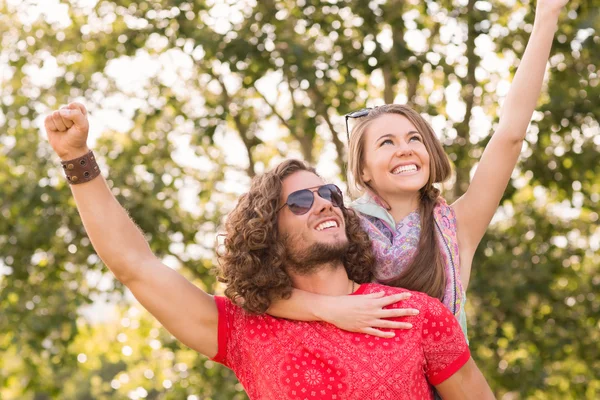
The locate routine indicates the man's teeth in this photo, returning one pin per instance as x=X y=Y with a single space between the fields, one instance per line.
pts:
x=326 y=224
x=404 y=168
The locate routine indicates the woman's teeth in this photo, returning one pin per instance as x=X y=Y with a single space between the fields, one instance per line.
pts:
x=404 y=168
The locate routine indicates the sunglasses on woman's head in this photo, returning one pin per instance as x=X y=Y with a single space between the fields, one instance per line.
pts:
x=356 y=114
x=301 y=201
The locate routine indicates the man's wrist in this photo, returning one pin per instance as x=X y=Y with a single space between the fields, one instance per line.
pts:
x=73 y=154
x=81 y=169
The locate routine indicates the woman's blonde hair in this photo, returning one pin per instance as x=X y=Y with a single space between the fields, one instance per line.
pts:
x=426 y=272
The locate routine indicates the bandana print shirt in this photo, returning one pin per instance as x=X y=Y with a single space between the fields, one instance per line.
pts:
x=280 y=359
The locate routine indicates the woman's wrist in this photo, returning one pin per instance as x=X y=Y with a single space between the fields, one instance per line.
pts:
x=545 y=26
x=546 y=17
x=325 y=309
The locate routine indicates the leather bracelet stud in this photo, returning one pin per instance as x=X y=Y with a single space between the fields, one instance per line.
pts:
x=82 y=169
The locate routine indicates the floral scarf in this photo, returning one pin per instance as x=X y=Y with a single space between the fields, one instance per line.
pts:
x=395 y=244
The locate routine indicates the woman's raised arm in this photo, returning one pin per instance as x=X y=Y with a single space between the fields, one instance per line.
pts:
x=475 y=209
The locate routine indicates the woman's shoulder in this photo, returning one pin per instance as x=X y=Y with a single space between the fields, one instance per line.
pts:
x=441 y=203
x=443 y=210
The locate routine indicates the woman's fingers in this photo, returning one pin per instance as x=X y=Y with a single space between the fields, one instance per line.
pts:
x=387 y=300
x=378 y=333
x=367 y=314
x=398 y=312
x=387 y=324
x=376 y=295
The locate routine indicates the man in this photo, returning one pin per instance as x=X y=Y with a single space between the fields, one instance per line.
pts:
x=290 y=230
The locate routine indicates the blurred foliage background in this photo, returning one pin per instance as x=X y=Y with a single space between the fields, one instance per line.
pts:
x=189 y=99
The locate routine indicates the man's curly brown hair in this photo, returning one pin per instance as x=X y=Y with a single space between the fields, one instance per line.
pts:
x=253 y=259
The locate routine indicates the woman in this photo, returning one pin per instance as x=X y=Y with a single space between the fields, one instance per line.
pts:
x=421 y=242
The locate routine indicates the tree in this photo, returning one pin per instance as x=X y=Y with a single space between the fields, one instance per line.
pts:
x=188 y=82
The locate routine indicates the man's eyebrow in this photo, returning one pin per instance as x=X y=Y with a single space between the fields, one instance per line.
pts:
x=312 y=187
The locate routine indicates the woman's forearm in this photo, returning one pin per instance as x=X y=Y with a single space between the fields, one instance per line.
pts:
x=301 y=306
x=365 y=313
x=527 y=83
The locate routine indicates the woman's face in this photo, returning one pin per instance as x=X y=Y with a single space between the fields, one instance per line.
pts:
x=396 y=161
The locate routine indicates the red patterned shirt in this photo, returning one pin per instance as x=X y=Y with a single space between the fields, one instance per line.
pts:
x=276 y=358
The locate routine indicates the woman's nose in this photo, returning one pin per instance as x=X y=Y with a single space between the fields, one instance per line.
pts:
x=403 y=150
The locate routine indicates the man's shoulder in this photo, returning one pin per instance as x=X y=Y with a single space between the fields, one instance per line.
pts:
x=235 y=312
x=388 y=290
x=415 y=297
x=229 y=310
x=224 y=303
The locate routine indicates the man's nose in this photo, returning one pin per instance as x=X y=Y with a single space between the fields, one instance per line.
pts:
x=321 y=204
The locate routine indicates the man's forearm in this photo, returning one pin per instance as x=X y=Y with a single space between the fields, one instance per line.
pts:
x=115 y=237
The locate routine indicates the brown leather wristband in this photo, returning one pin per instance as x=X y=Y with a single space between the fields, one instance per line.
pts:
x=82 y=169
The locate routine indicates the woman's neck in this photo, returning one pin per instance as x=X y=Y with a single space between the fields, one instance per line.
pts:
x=401 y=206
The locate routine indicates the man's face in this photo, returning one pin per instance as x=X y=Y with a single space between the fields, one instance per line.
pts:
x=314 y=238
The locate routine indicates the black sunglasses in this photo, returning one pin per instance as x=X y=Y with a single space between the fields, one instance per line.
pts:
x=356 y=114
x=301 y=201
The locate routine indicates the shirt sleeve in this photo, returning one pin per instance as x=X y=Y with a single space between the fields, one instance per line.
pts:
x=225 y=309
x=444 y=344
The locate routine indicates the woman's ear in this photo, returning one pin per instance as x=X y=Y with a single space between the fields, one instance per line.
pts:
x=366 y=176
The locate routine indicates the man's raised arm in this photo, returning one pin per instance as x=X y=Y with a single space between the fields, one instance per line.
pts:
x=184 y=309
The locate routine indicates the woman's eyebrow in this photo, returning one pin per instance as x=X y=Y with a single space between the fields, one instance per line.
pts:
x=391 y=135
x=387 y=135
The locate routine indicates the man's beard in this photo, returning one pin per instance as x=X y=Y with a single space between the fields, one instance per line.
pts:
x=312 y=258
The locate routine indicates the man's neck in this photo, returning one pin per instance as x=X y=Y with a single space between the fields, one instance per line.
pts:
x=328 y=280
